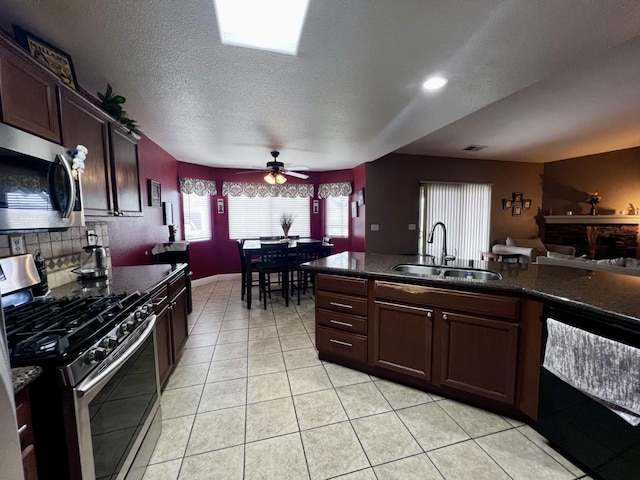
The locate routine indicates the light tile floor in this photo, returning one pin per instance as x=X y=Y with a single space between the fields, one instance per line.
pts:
x=250 y=399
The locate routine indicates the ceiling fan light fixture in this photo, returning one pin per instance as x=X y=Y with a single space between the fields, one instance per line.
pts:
x=280 y=179
x=270 y=178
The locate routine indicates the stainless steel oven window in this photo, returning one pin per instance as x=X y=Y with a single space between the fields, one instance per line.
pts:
x=114 y=409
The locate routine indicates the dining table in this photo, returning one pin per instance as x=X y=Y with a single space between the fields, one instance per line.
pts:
x=251 y=248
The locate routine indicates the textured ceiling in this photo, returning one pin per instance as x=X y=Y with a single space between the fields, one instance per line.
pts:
x=534 y=80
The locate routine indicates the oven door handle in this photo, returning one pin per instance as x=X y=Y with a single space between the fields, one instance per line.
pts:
x=85 y=387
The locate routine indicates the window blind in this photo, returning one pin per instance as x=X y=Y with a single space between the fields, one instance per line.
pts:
x=253 y=217
x=465 y=209
x=197 y=217
x=337 y=217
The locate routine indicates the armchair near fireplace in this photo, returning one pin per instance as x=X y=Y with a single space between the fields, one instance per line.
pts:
x=530 y=248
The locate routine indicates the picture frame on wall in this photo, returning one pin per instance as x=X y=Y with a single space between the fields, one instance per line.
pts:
x=167 y=213
x=526 y=204
x=220 y=203
x=52 y=58
x=155 y=193
x=354 y=209
x=360 y=197
x=517 y=211
x=316 y=206
x=517 y=197
x=506 y=204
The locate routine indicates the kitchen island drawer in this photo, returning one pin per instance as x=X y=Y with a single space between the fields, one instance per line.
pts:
x=341 y=344
x=342 y=321
x=356 y=286
x=341 y=303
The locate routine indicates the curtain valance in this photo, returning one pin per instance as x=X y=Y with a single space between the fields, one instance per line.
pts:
x=340 y=189
x=237 y=189
x=197 y=186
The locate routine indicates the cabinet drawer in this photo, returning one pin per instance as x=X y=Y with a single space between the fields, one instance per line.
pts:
x=357 y=286
x=175 y=286
x=160 y=300
x=341 y=321
x=341 y=344
x=341 y=303
x=495 y=305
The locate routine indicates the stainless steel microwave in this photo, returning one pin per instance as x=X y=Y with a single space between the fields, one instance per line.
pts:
x=38 y=189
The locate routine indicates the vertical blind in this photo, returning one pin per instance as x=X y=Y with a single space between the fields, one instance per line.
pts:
x=337 y=217
x=253 y=217
x=465 y=209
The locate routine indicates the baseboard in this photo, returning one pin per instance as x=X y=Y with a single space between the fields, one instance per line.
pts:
x=216 y=278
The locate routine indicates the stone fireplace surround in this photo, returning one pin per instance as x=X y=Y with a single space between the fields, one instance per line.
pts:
x=615 y=235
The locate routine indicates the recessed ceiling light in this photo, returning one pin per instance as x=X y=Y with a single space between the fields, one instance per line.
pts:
x=434 y=83
x=275 y=25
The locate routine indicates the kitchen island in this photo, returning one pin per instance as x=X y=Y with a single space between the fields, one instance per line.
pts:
x=481 y=341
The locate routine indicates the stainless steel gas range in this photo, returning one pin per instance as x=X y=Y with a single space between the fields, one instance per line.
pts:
x=96 y=406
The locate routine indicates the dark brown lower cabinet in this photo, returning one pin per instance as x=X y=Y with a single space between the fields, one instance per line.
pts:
x=477 y=355
x=163 y=337
x=402 y=339
x=25 y=431
x=179 y=323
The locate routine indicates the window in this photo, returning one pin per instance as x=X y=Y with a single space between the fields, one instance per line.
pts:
x=253 y=217
x=197 y=217
x=465 y=209
x=336 y=223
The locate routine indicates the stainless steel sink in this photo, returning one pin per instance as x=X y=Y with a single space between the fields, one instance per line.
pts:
x=471 y=274
x=418 y=269
x=454 y=272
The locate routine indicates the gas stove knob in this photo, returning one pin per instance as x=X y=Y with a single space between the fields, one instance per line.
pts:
x=127 y=327
x=97 y=355
x=138 y=316
x=110 y=342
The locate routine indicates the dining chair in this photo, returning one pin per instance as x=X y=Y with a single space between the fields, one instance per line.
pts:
x=266 y=239
x=273 y=259
x=305 y=252
x=254 y=263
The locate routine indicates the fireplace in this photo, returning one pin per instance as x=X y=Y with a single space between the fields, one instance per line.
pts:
x=605 y=236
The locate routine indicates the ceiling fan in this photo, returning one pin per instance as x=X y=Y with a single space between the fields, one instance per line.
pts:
x=277 y=171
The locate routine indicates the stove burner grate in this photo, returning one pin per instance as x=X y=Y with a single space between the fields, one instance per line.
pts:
x=51 y=328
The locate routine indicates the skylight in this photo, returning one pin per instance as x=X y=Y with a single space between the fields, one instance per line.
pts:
x=275 y=25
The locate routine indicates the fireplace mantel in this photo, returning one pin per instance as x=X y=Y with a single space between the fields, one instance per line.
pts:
x=594 y=219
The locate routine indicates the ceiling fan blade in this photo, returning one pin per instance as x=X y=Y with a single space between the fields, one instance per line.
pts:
x=297 y=167
x=252 y=171
x=296 y=174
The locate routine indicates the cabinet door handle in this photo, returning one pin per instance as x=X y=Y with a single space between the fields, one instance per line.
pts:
x=429 y=314
x=345 y=344
x=159 y=301
x=22 y=429
x=344 y=324
x=445 y=316
x=343 y=305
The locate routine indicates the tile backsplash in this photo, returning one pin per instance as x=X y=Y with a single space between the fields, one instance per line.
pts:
x=62 y=250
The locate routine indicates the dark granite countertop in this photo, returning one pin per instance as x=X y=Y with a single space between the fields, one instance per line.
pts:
x=608 y=293
x=143 y=278
x=23 y=376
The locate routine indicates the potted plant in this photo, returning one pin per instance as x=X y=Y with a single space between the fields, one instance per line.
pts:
x=593 y=199
x=112 y=104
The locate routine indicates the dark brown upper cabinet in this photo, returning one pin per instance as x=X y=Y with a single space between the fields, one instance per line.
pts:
x=28 y=96
x=124 y=173
x=84 y=124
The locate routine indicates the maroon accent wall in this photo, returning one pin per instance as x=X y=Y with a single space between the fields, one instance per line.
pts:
x=220 y=254
x=358 y=224
x=131 y=239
